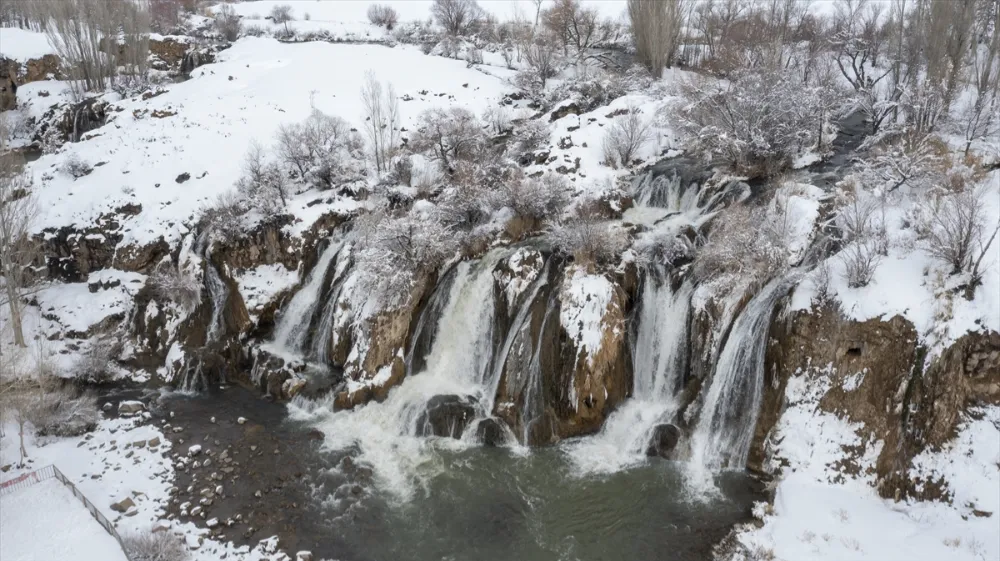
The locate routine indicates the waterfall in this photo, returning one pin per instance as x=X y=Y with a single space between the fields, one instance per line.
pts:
x=459 y=364
x=729 y=414
x=292 y=330
x=423 y=337
x=318 y=345
x=659 y=361
x=533 y=406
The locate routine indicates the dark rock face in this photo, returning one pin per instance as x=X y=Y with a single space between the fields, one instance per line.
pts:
x=446 y=415
x=663 y=441
x=490 y=432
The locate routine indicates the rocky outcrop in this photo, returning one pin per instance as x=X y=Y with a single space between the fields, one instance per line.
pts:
x=447 y=415
x=663 y=441
x=71 y=253
x=14 y=74
x=167 y=54
x=68 y=122
x=877 y=378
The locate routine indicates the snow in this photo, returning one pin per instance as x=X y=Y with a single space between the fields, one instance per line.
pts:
x=821 y=514
x=76 y=309
x=259 y=286
x=585 y=301
x=30 y=516
x=23 y=45
x=910 y=283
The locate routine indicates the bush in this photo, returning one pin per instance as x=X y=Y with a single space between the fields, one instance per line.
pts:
x=592 y=90
x=263 y=185
x=588 y=239
x=150 y=546
x=167 y=284
x=624 y=138
x=227 y=23
x=383 y=16
x=97 y=365
x=536 y=198
x=861 y=259
x=75 y=167
x=953 y=229
x=744 y=242
x=254 y=31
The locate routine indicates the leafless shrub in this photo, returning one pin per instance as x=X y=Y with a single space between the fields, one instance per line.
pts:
x=254 y=31
x=164 y=14
x=861 y=259
x=536 y=198
x=473 y=56
x=154 y=546
x=953 y=226
x=75 y=166
x=225 y=216
x=97 y=365
x=227 y=23
x=530 y=136
x=38 y=398
x=589 y=239
x=167 y=284
x=383 y=16
x=498 y=119
x=263 y=184
x=744 y=242
x=457 y=17
x=624 y=138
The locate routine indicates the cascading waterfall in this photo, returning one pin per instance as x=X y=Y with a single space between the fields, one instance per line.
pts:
x=318 y=346
x=533 y=400
x=218 y=292
x=423 y=334
x=292 y=330
x=729 y=414
x=659 y=360
x=459 y=364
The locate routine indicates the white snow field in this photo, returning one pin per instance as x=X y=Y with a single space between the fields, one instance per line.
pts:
x=22 y=45
x=45 y=522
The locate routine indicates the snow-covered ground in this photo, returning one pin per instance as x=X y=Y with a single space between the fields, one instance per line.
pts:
x=823 y=514
x=22 y=45
x=45 y=521
x=258 y=85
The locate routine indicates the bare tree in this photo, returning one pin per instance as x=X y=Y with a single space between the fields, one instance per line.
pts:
x=448 y=136
x=656 y=26
x=383 y=16
x=541 y=56
x=282 y=14
x=18 y=249
x=381 y=120
x=164 y=14
x=263 y=184
x=457 y=17
x=227 y=23
x=93 y=38
x=625 y=137
x=573 y=25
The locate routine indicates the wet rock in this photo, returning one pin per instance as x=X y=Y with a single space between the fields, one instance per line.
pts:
x=490 y=432
x=130 y=407
x=446 y=415
x=663 y=441
x=304 y=556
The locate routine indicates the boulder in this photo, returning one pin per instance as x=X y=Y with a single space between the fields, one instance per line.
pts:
x=490 y=432
x=130 y=407
x=446 y=415
x=124 y=505
x=663 y=441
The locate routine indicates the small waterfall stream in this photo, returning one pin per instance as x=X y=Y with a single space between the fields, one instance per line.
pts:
x=729 y=414
x=292 y=331
x=659 y=364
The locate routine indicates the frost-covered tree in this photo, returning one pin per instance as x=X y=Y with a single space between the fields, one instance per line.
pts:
x=448 y=136
x=757 y=121
x=955 y=230
x=383 y=16
x=588 y=238
x=625 y=137
x=744 y=243
x=574 y=26
x=282 y=14
x=323 y=150
x=227 y=23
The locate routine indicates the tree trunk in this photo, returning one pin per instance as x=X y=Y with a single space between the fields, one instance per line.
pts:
x=15 y=315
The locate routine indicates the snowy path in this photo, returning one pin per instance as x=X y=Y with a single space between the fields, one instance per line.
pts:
x=46 y=522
